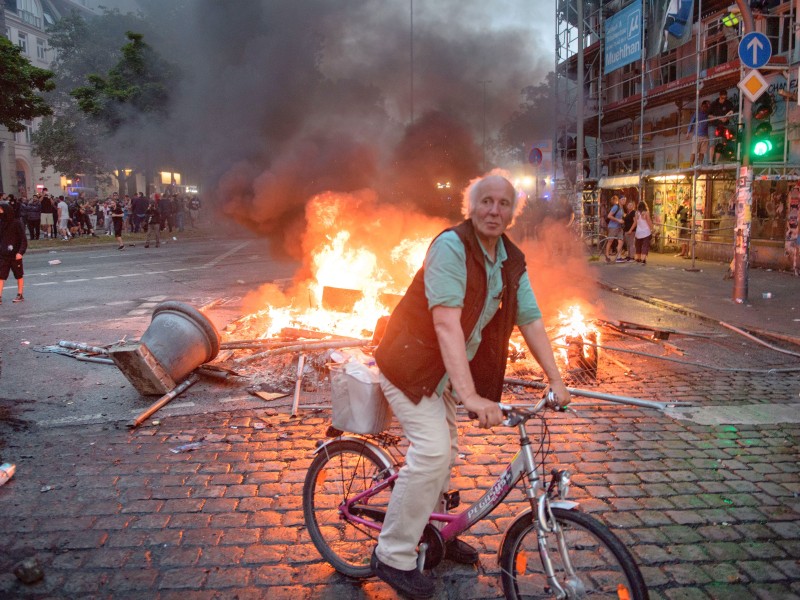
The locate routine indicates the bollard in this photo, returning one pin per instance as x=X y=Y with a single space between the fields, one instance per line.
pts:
x=178 y=340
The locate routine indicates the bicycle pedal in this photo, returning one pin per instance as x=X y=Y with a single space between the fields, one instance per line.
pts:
x=451 y=499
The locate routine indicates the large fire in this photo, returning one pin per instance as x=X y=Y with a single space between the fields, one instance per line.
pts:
x=361 y=255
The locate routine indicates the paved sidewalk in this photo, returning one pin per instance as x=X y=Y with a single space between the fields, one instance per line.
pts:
x=706 y=293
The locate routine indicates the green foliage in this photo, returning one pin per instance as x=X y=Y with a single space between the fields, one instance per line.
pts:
x=67 y=143
x=136 y=86
x=19 y=83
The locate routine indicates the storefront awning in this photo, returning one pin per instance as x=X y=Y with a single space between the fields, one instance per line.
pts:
x=618 y=181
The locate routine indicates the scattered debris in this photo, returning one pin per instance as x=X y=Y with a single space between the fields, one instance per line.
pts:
x=54 y=262
x=7 y=471
x=29 y=571
x=186 y=447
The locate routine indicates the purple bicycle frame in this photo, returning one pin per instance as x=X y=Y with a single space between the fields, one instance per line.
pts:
x=458 y=522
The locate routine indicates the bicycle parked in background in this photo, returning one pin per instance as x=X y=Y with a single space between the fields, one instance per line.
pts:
x=551 y=550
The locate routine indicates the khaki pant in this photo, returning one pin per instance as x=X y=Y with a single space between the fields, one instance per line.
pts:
x=430 y=426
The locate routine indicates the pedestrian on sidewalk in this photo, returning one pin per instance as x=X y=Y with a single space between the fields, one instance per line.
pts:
x=615 y=222
x=13 y=244
x=644 y=232
x=629 y=229
x=682 y=216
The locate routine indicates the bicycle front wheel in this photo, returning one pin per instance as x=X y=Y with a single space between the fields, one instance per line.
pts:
x=340 y=471
x=603 y=566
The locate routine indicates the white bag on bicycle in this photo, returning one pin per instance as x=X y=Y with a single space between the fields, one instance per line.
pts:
x=359 y=405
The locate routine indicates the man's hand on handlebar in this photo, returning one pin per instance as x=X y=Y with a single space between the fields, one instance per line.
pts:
x=487 y=413
x=562 y=395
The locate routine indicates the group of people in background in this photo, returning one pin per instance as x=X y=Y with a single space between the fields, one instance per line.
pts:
x=50 y=217
x=630 y=229
x=719 y=138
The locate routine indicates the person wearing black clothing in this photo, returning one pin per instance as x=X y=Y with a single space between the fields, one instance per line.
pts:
x=628 y=229
x=682 y=216
x=13 y=245
x=117 y=216
x=167 y=216
x=138 y=210
x=32 y=211
x=46 y=216
x=719 y=114
x=153 y=220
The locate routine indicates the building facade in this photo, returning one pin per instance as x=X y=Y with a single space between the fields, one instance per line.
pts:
x=25 y=24
x=632 y=75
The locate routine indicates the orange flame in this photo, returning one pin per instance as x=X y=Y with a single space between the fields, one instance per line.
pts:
x=574 y=323
x=353 y=244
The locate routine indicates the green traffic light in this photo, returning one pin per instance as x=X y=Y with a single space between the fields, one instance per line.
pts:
x=761 y=147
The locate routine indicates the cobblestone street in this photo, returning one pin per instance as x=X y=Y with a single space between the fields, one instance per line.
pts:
x=708 y=510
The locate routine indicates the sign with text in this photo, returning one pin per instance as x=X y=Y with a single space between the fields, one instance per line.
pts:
x=623 y=37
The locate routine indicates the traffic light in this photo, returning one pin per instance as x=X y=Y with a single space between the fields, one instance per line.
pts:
x=764 y=146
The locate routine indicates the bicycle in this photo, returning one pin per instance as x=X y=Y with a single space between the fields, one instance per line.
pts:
x=551 y=550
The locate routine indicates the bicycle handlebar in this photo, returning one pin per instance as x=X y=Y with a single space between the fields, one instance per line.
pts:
x=517 y=413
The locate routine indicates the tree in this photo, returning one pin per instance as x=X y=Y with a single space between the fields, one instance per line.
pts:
x=532 y=121
x=70 y=141
x=19 y=83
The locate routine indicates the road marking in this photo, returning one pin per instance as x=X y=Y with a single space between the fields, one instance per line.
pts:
x=74 y=280
x=131 y=274
x=234 y=399
x=79 y=308
x=138 y=311
x=70 y=420
x=222 y=257
x=172 y=405
x=176 y=270
x=107 y=277
x=118 y=302
x=46 y=283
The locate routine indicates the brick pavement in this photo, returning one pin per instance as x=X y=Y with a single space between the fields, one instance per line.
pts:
x=709 y=512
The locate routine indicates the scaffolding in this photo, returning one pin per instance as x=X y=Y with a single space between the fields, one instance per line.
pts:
x=631 y=126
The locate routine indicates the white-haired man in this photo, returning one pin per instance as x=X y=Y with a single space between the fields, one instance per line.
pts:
x=450 y=334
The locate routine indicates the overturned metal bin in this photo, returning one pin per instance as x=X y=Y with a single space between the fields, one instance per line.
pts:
x=178 y=340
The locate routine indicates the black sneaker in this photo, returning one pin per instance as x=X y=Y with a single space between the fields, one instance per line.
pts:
x=461 y=552
x=19 y=298
x=411 y=583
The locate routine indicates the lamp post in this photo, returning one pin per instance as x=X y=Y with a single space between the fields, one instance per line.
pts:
x=483 y=83
x=744 y=188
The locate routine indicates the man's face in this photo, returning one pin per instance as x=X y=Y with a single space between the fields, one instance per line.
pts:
x=495 y=208
x=723 y=97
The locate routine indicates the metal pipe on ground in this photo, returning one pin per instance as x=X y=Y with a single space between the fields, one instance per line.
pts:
x=600 y=396
x=164 y=400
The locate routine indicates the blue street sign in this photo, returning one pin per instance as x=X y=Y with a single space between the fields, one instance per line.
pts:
x=535 y=157
x=623 y=37
x=755 y=50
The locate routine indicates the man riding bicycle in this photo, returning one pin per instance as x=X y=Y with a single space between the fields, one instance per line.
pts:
x=447 y=342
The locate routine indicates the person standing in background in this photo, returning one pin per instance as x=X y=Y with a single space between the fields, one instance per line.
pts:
x=13 y=245
x=643 y=225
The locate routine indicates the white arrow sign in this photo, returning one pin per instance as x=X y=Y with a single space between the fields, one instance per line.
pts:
x=756 y=45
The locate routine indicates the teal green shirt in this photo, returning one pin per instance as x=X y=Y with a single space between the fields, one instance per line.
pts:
x=446 y=284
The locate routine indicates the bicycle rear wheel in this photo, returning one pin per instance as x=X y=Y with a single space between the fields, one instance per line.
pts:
x=604 y=567
x=340 y=471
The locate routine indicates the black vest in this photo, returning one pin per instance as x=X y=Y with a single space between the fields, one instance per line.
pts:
x=409 y=355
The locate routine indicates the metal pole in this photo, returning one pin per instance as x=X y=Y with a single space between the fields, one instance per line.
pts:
x=483 y=83
x=744 y=189
x=698 y=45
x=599 y=395
x=411 y=50
x=578 y=208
